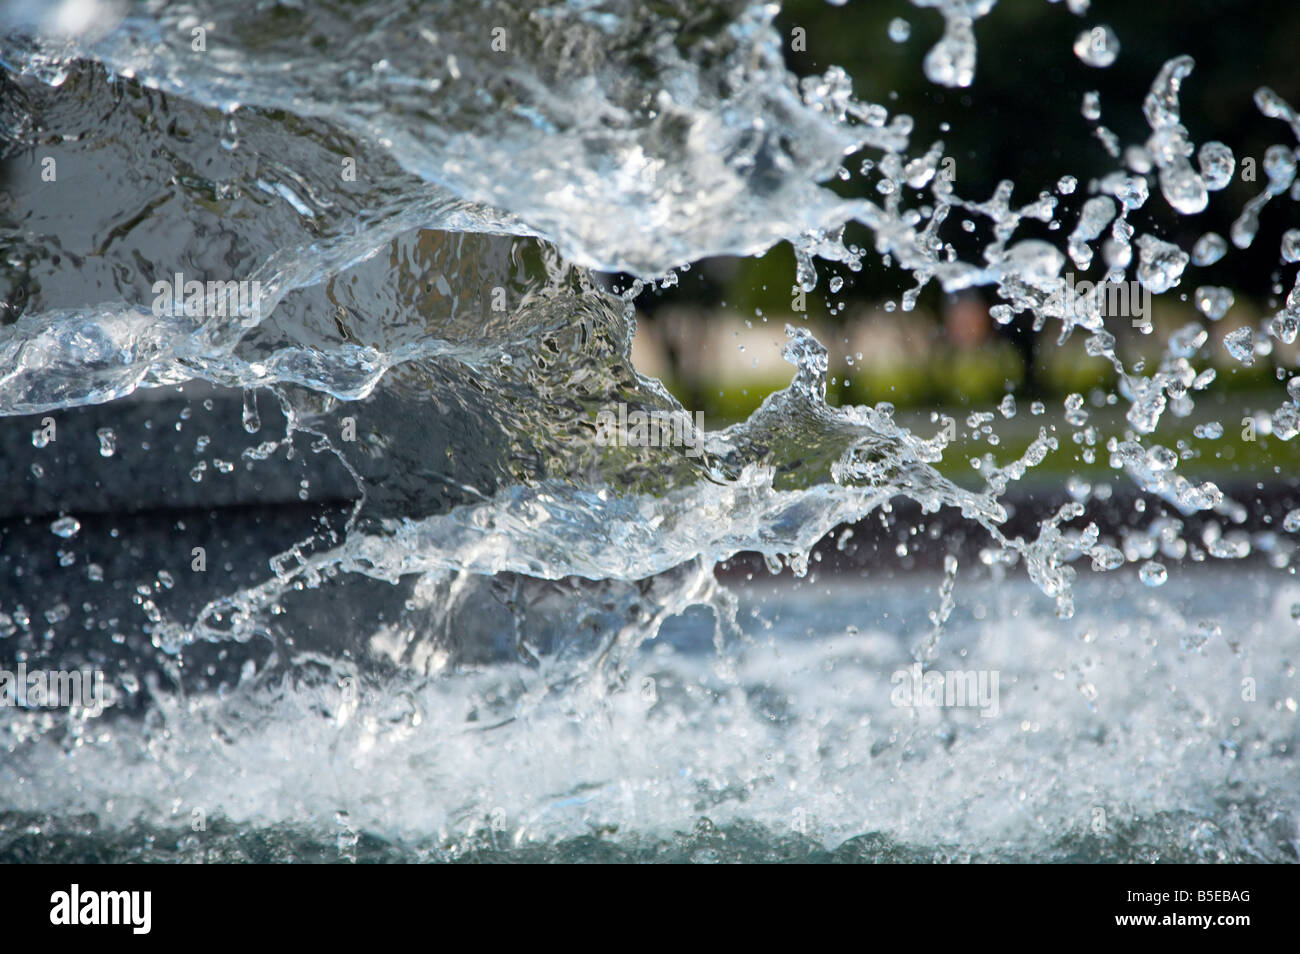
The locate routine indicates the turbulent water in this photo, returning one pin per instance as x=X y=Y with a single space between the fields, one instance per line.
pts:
x=403 y=600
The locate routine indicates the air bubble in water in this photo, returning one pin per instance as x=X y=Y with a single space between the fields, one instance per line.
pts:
x=899 y=30
x=1097 y=47
x=1092 y=105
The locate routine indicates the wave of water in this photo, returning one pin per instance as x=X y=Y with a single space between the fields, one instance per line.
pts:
x=459 y=636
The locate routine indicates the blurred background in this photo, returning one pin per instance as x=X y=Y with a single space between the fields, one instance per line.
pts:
x=715 y=337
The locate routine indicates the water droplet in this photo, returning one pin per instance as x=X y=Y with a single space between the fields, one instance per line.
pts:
x=1285 y=328
x=1209 y=248
x=1182 y=188
x=951 y=61
x=1213 y=301
x=1241 y=345
x=107 y=442
x=1188 y=340
x=1160 y=265
x=1279 y=166
x=1153 y=574
x=1074 y=412
x=1106 y=558
x=1097 y=47
x=230 y=135
x=1291 y=245
x=252 y=420
x=1286 y=422
x=899 y=30
x=1217 y=165
x=66 y=527
x=1132 y=191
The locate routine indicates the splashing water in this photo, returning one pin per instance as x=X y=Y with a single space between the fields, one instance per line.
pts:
x=365 y=245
